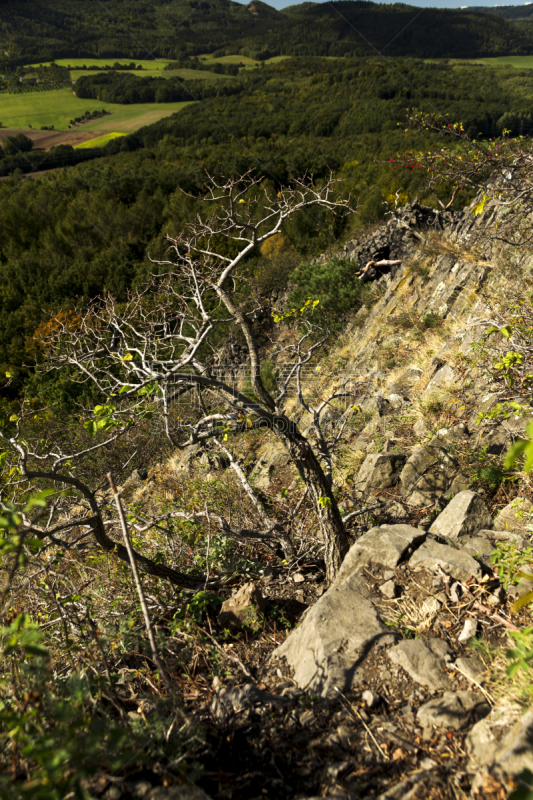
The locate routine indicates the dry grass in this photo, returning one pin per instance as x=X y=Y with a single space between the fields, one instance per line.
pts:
x=437 y=245
x=408 y=614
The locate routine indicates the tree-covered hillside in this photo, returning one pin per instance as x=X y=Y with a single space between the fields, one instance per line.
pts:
x=32 y=30
x=69 y=235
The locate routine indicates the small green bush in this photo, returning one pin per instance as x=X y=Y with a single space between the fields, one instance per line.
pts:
x=335 y=284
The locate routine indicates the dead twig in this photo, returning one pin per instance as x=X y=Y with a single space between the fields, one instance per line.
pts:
x=358 y=716
x=139 y=588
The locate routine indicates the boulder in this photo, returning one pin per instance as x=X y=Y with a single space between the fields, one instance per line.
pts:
x=386 y=544
x=452 y=710
x=457 y=563
x=378 y=471
x=271 y=458
x=457 y=433
x=477 y=546
x=240 y=698
x=441 y=380
x=502 y=745
x=427 y=475
x=424 y=660
x=330 y=646
x=420 y=428
x=396 y=401
x=465 y=515
x=471 y=668
x=402 y=385
x=516 y=517
x=244 y=609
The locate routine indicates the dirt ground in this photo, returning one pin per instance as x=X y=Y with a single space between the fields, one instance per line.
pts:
x=44 y=140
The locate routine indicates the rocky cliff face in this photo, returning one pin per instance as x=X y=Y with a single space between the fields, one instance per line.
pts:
x=393 y=684
x=420 y=591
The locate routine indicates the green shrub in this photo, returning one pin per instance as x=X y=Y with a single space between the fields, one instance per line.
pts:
x=335 y=284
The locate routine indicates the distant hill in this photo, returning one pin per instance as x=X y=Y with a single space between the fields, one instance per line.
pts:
x=34 y=30
x=513 y=13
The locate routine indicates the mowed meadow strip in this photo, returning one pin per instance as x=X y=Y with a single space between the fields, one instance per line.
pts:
x=59 y=106
x=100 y=141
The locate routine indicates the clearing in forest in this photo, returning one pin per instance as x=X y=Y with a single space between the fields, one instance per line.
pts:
x=57 y=108
x=100 y=141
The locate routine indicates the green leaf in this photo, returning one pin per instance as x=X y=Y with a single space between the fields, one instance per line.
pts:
x=39 y=499
x=514 y=453
x=90 y=427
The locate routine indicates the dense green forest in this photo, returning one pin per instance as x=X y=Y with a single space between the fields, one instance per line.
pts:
x=68 y=235
x=112 y=87
x=32 y=30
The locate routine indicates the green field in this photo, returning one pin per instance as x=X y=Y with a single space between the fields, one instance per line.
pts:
x=78 y=63
x=520 y=62
x=249 y=63
x=100 y=141
x=59 y=106
x=185 y=74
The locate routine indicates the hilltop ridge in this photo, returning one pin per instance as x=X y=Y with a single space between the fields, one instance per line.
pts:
x=127 y=28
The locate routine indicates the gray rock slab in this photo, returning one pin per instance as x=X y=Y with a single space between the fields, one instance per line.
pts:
x=457 y=563
x=243 y=609
x=402 y=384
x=465 y=514
x=329 y=647
x=456 y=433
x=459 y=484
x=427 y=474
x=386 y=544
x=471 y=668
x=424 y=660
x=503 y=750
x=516 y=517
x=506 y=536
x=420 y=428
x=452 y=710
x=378 y=471
x=477 y=546
x=442 y=379
x=388 y=589
x=240 y=698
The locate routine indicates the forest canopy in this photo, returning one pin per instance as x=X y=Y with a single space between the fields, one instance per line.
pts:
x=41 y=29
x=73 y=233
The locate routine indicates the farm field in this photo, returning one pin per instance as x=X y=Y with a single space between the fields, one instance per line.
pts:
x=185 y=74
x=59 y=106
x=520 y=62
x=79 y=63
x=44 y=140
x=153 y=69
x=249 y=63
x=100 y=141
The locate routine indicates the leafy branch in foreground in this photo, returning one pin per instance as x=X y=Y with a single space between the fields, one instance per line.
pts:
x=498 y=170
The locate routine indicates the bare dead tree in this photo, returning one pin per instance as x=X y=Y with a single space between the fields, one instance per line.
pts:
x=151 y=353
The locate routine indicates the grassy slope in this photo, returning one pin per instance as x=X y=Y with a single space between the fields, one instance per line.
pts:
x=78 y=63
x=59 y=106
x=520 y=62
x=99 y=141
